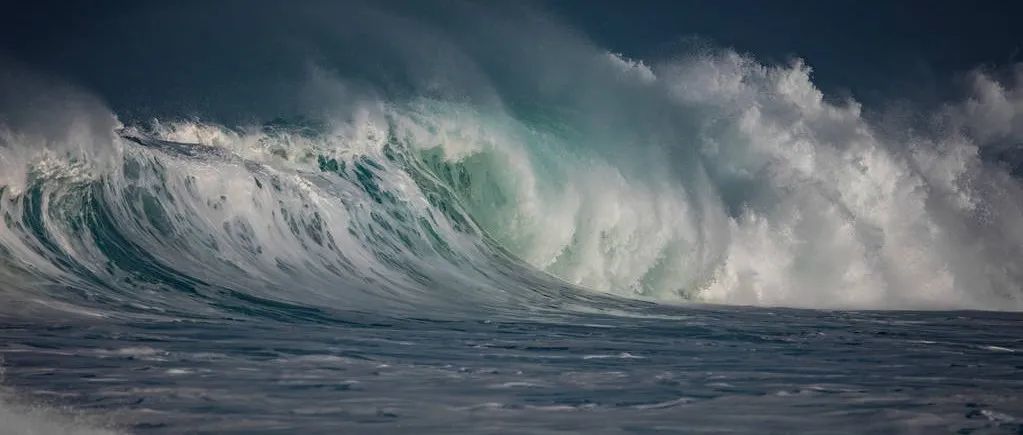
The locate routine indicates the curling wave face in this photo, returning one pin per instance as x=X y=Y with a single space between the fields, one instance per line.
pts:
x=712 y=178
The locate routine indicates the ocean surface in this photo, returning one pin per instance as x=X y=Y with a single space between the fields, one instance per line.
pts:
x=647 y=369
x=477 y=220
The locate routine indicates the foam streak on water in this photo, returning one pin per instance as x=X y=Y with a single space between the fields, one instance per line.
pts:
x=705 y=369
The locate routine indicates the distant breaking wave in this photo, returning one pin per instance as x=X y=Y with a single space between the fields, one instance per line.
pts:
x=709 y=178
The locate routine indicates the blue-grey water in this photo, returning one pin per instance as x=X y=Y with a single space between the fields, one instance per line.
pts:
x=656 y=370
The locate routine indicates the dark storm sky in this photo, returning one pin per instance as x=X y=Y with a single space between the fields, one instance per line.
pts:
x=873 y=48
x=135 y=53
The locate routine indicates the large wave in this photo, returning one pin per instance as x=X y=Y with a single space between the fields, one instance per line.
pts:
x=707 y=177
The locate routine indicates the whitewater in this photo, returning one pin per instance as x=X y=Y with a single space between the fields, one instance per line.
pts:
x=701 y=243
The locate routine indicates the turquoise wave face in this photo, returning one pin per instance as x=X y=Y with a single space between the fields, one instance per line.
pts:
x=707 y=178
x=433 y=203
x=193 y=220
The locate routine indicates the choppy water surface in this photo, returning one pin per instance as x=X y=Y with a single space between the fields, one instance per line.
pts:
x=695 y=370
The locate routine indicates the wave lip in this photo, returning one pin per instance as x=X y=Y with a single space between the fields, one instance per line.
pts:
x=707 y=178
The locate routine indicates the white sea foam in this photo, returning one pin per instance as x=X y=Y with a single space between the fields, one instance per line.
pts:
x=37 y=420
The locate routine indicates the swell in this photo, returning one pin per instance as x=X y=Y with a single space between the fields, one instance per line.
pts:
x=192 y=229
x=712 y=179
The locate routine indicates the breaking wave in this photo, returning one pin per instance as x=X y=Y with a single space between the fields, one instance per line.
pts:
x=589 y=178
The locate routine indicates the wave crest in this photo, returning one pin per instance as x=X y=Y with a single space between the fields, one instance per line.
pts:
x=709 y=178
